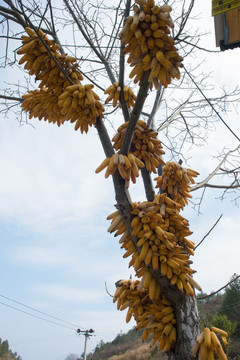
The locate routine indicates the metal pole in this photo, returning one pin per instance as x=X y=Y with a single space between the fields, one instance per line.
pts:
x=86 y=333
x=85 y=346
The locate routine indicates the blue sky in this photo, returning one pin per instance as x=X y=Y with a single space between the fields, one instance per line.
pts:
x=56 y=254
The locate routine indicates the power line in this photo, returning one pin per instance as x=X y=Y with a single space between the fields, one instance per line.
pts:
x=38 y=317
x=41 y=312
x=50 y=338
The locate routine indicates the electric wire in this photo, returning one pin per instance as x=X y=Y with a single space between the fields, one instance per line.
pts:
x=38 y=317
x=51 y=338
x=41 y=312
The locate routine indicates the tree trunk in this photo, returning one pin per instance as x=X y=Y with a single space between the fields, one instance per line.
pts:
x=185 y=306
x=188 y=326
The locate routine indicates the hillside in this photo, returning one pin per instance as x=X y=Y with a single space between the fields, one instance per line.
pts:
x=129 y=346
x=6 y=353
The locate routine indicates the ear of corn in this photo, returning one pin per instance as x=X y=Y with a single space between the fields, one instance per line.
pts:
x=175 y=181
x=149 y=45
x=145 y=146
x=155 y=317
x=57 y=100
x=209 y=344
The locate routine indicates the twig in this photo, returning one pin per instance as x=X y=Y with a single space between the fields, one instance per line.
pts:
x=14 y=12
x=209 y=231
x=199 y=47
x=204 y=182
x=222 y=186
x=176 y=112
x=123 y=103
x=89 y=41
x=157 y=101
x=215 y=292
x=115 y=29
x=107 y=290
x=208 y=101
x=184 y=19
x=92 y=81
x=27 y=19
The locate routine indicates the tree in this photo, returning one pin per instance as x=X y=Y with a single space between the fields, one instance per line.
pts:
x=231 y=302
x=4 y=347
x=153 y=232
x=6 y=353
x=222 y=322
x=72 y=357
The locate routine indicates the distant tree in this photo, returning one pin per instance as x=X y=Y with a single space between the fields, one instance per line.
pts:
x=222 y=322
x=209 y=307
x=4 y=347
x=72 y=357
x=6 y=353
x=231 y=302
x=101 y=345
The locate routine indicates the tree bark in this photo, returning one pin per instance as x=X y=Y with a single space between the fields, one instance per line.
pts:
x=188 y=327
x=185 y=306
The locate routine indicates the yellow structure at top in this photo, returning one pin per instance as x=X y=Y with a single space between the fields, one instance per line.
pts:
x=222 y=6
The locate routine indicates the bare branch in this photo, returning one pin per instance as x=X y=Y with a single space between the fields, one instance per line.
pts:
x=148 y=185
x=141 y=97
x=177 y=112
x=16 y=14
x=214 y=172
x=121 y=71
x=156 y=105
x=184 y=18
x=89 y=41
x=11 y=98
x=104 y=138
x=217 y=113
x=215 y=292
x=107 y=290
x=231 y=186
x=209 y=231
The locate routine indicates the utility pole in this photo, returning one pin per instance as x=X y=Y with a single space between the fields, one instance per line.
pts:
x=86 y=333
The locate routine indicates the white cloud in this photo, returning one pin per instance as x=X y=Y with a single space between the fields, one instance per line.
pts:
x=67 y=294
x=37 y=256
x=217 y=258
x=50 y=175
